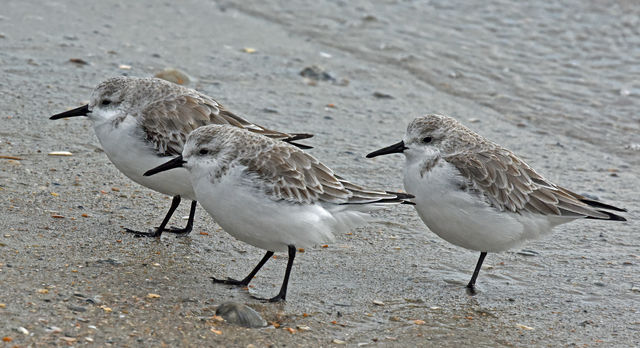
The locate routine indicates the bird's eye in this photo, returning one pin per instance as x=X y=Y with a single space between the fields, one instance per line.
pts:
x=204 y=151
x=426 y=140
x=106 y=102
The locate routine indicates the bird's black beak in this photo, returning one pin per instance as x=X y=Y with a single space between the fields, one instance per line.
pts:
x=81 y=111
x=174 y=163
x=395 y=148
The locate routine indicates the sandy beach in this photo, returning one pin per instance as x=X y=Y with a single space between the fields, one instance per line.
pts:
x=554 y=82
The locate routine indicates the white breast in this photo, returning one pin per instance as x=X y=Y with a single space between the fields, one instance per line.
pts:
x=464 y=219
x=126 y=147
x=250 y=216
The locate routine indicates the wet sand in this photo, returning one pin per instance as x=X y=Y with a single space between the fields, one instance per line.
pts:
x=553 y=82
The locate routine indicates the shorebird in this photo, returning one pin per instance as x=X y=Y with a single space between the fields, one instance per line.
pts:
x=477 y=194
x=141 y=121
x=271 y=194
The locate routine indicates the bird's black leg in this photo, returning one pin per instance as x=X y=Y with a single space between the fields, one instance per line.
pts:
x=471 y=287
x=283 y=289
x=184 y=231
x=175 y=202
x=247 y=279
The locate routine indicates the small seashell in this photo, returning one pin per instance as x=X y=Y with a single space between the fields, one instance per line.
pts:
x=524 y=327
x=60 y=153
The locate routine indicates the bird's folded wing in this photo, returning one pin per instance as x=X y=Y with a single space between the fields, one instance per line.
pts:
x=167 y=122
x=295 y=176
x=510 y=184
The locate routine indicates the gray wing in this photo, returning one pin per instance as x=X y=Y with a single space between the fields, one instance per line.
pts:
x=291 y=174
x=510 y=184
x=167 y=122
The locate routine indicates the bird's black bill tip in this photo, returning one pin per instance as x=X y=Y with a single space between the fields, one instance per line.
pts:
x=174 y=163
x=81 y=111
x=395 y=148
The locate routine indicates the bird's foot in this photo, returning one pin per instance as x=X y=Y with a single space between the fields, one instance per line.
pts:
x=179 y=232
x=277 y=298
x=230 y=281
x=138 y=234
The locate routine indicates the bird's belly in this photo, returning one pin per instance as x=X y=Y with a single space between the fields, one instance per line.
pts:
x=465 y=219
x=250 y=216
x=133 y=156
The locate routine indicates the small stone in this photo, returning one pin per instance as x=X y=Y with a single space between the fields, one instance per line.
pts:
x=316 y=73
x=526 y=252
x=378 y=303
x=95 y=300
x=381 y=95
x=77 y=308
x=240 y=314
x=109 y=261
x=174 y=75
x=23 y=330
x=78 y=61
x=53 y=329
x=337 y=341
x=303 y=327
x=124 y=67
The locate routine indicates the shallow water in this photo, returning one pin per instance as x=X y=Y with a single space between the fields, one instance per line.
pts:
x=555 y=81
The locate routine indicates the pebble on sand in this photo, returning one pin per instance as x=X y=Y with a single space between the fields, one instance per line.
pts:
x=316 y=73
x=240 y=314
x=174 y=75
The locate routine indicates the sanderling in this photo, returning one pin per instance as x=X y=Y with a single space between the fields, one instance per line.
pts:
x=271 y=194
x=141 y=121
x=478 y=195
